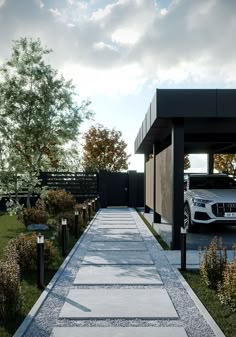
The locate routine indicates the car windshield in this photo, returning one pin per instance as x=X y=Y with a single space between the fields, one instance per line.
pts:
x=211 y=183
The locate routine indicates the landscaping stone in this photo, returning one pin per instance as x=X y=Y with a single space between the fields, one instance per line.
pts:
x=95 y=275
x=120 y=332
x=37 y=227
x=120 y=257
x=118 y=303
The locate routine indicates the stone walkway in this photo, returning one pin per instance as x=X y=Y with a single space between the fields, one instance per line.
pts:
x=117 y=282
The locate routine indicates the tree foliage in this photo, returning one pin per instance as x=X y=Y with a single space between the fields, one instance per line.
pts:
x=186 y=162
x=38 y=111
x=104 y=149
x=225 y=163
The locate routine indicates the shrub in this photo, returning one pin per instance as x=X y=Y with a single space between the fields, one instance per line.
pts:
x=213 y=263
x=25 y=247
x=33 y=215
x=227 y=289
x=58 y=201
x=10 y=290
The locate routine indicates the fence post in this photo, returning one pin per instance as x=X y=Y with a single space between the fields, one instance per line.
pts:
x=40 y=261
x=63 y=236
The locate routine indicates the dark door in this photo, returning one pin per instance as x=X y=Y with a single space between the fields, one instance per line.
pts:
x=113 y=188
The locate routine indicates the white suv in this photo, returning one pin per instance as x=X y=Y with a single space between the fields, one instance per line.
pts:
x=208 y=198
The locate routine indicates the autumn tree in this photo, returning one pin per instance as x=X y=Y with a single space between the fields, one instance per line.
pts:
x=186 y=162
x=38 y=111
x=104 y=149
x=225 y=163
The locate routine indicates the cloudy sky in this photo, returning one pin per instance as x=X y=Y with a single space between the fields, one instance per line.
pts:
x=117 y=52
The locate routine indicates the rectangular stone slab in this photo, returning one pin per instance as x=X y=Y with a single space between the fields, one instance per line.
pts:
x=118 y=303
x=119 y=332
x=119 y=257
x=93 y=275
x=101 y=226
x=114 y=231
x=117 y=246
x=117 y=237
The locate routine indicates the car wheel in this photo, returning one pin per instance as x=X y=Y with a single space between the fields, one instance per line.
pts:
x=188 y=224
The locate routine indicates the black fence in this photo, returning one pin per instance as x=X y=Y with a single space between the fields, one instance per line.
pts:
x=113 y=188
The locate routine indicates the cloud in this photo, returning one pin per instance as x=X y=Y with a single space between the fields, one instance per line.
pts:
x=178 y=43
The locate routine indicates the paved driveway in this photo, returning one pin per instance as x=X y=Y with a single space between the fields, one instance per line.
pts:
x=203 y=238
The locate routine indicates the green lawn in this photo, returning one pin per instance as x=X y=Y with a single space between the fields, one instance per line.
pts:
x=9 y=228
x=223 y=316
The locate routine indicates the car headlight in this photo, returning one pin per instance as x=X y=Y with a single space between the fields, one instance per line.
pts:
x=200 y=202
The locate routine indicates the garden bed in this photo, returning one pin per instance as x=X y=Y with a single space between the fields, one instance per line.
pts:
x=221 y=313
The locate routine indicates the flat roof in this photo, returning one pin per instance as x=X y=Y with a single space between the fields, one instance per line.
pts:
x=208 y=115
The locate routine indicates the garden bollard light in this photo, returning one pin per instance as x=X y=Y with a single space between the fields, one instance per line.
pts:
x=77 y=225
x=63 y=236
x=40 y=261
x=183 y=248
x=84 y=215
x=89 y=210
x=93 y=206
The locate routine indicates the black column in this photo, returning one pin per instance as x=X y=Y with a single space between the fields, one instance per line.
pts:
x=156 y=216
x=210 y=163
x=178 y=181
x=146 y=158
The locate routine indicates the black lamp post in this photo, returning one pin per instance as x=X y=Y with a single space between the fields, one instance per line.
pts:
x=63 y=236
x=77 y=225
x=183 y=248
x=40 y=261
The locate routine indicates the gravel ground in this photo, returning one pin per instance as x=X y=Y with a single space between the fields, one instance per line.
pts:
x=189 y=315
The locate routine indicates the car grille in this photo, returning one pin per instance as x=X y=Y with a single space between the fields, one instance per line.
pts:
x=219 y=209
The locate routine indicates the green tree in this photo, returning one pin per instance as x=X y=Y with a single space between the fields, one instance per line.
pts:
x=38 y=111
x=104 y=149
x=186 y=162
x=225 y=163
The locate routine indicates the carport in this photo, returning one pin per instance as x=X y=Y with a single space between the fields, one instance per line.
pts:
x=180 y=121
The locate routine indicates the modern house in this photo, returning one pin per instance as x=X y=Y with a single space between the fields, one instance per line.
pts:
x=180 y=121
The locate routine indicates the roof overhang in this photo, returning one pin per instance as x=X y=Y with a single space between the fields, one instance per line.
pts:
x=208 y=115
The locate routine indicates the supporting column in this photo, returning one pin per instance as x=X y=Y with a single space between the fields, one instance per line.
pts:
x=156 y=216
x=178 y=181
x=146 y=208
x=210 y=163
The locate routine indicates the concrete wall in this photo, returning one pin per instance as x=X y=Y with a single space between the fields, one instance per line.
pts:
x=164 y=183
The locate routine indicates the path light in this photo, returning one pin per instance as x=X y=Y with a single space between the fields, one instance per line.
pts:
x=89 y=211
x=183 y=248
x=84 y=214
x=63 y=236
x=77 y=225
x=40 y=261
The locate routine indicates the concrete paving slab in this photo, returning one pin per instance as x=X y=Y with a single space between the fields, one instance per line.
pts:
x=117 y=237
x=94 y=275
x=116 y=226
x=114 y=231
x=117 y=246
x=118 y=303
x=119 y=332
x=118 y=220
x=119 y=257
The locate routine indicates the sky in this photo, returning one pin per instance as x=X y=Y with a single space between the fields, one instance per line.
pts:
x=118 y=52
